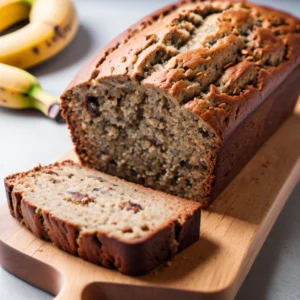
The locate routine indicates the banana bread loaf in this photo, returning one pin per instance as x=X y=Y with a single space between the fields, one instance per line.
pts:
x=102 y=219
x=183 y=99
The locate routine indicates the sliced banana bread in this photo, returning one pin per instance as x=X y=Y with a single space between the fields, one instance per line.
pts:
x=103 y=219
x=183 y=99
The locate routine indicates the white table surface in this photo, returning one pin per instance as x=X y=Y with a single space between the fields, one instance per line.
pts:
x=27 y=138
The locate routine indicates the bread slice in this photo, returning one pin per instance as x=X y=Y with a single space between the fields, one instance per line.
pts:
x=103 y=219
x=171 y=102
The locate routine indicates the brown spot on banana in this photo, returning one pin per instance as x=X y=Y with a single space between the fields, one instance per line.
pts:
x=3 y=100
x=36 y=50
x=58 y=32
x=67 y=28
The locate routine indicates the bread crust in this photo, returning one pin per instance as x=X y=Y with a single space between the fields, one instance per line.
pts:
x=250 y=135
x=88 y=70
x=133 y=258
x=227 y=119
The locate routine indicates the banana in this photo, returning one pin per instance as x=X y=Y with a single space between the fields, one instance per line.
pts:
x=19 y=89
x=10 y=13
x=52 y=25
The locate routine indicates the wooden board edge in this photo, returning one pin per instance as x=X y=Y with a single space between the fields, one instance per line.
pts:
x=14 y=265
x=29 y=269
x=265 y=228
x=19 y=263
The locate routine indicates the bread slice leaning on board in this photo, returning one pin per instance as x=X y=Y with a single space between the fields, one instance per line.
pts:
x=102 y=219
x=182 y=100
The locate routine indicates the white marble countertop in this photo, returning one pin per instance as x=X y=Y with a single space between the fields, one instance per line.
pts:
x=27 y=138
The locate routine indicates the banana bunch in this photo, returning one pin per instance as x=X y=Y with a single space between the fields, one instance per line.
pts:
x=52 y=26
x=19 y=89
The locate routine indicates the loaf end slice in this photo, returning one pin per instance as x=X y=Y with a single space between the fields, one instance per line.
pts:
x=102 y=219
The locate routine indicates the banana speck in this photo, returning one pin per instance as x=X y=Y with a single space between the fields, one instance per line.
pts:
x=67 y=28
x=36 y=50
x=58 y=32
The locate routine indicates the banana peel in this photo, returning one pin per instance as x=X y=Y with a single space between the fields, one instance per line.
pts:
x=20 y=90
x=52 y=26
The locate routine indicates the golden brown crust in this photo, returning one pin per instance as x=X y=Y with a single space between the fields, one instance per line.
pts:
x=275 y=34
x=215 y=59
x=8 y=190
x=255 y=130
x=89 y=70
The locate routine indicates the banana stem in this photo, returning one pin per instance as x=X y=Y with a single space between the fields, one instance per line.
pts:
x=44 y=100
x=30 y=2
x=46 y=103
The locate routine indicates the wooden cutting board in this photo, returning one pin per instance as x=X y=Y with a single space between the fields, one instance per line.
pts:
x=232 y=233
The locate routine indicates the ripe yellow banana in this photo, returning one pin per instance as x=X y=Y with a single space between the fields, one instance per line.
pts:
x=52 y=25
x=10 y=13
x=19 y=89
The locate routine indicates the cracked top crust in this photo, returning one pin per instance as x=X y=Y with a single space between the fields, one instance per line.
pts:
x=217 y=59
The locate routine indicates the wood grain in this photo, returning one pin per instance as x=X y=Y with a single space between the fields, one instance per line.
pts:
x=233 y=231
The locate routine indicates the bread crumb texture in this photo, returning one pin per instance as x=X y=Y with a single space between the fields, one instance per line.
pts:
x=101 y=218
x=162 y=100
